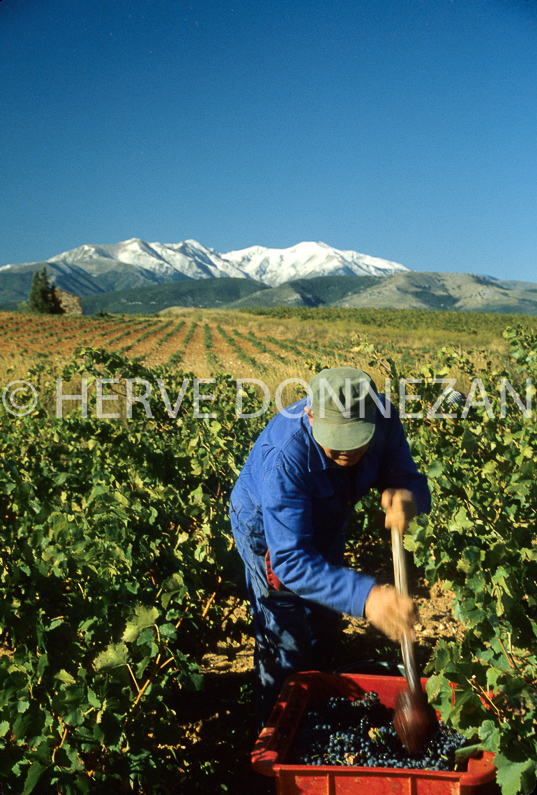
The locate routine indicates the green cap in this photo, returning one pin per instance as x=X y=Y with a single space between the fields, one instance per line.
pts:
x=343 y=408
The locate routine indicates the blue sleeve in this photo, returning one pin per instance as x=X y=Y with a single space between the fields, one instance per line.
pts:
x=397 y=469
x=295 y=561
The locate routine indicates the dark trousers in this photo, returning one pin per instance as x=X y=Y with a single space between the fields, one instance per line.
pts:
x=291 y=634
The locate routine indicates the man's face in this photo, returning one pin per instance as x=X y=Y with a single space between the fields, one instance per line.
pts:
x=345 y=458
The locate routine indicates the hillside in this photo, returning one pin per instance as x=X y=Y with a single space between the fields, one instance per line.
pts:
x=411 y=290
x=203 y=293
x=454 y=291
x=316 y=291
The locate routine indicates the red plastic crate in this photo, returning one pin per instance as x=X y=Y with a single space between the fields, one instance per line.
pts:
x=274 y=742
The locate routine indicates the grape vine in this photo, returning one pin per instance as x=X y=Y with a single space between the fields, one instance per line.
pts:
x=117 y=556
x=479 y=541
x=116 y=551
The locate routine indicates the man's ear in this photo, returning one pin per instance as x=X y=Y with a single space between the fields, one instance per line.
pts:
x=309 y=412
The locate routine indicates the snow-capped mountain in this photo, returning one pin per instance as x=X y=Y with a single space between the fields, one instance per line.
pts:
x=188 y=259
x=275 y=266
x=157 y=263
x=135 y=276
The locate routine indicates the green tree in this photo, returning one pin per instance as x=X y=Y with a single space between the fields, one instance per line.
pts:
x=41 y=300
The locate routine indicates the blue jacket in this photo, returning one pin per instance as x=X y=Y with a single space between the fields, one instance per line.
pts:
x=294 y=501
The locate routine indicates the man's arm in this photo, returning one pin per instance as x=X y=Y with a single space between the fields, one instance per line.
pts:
x=404 y=494
x=288 y=523
x=404 y=490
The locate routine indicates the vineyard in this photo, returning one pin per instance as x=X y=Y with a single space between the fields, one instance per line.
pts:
x=247 y=344
x=126 y=662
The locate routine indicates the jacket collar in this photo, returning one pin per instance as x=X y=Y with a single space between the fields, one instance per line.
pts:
x=317 y=460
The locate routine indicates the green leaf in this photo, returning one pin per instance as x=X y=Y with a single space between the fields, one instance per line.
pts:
x=64 y=676
x=469 y=442
x=173 y=586
x=32 y=779
x=196 y=681
x=45 y=749
x=143 y=618
x=109 y=730
x=93 y=699
x=168 y=630
x=115 y=655
x=97 y=491
x=60 y=525
x=119 y=497
x=489 y=733
x=493 y=675
x=467 y=752
x=196 y=467
x=466 y=710
x=440 y=694
x=514 y=777
x=435 y=469
x=142 y=665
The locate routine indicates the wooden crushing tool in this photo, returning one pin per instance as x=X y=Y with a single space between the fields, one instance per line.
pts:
x=415 y=720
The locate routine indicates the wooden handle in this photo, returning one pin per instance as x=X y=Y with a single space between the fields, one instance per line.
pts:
x=399 y=563
x=401 y=586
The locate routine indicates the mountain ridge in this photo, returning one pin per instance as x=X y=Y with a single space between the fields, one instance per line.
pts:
x=136 y=276
x=423 y=291
x=189 y=259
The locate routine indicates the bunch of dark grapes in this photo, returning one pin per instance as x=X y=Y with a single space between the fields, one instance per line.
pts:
x=360 y=733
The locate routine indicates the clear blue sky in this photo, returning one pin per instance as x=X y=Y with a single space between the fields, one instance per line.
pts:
x=404 y=129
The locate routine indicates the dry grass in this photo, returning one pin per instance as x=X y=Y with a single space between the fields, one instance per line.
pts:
x=29 y=340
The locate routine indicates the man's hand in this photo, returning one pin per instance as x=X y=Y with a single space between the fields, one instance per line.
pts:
x=400 y=507
x=390 y=612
